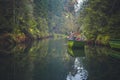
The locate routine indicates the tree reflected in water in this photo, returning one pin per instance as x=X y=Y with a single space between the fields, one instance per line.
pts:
x=50 y=59
x=78 y=71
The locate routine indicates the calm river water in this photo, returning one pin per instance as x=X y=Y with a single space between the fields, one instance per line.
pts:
x=51 y=60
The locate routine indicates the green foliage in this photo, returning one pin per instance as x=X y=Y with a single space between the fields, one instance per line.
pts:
x=21 y=17
x=41 y=8
x=98 y=18
x=36 y=18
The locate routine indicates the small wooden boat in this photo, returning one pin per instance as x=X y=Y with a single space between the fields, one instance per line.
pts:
x=75 y=44
x=114 y=44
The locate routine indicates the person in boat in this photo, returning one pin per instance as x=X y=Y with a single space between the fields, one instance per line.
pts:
x=71 y=36
x=76 y=36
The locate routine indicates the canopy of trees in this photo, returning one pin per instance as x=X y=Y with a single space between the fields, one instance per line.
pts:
x=34 y=18
x=99 y=20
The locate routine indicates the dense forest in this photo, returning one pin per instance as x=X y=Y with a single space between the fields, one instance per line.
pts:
x=32 y=19
x=23 y=20
x=99 y=20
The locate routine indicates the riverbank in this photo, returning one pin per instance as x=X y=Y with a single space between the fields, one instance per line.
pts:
x=11 y=39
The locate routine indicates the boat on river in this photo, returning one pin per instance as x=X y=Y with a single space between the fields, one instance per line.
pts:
x=75 y=44
x=114 y=44
x=75 y=40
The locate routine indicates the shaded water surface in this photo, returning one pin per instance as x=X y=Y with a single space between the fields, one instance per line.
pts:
x=52 y=60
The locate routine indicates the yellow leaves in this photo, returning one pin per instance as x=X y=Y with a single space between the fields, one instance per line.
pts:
x=30 y=29
x=19 y=37
x=88 y=9
x=67 y=15
x=103 y=38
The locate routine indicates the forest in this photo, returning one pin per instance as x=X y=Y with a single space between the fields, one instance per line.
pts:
x=23 y=20
x=59 y=39
x=100 y=20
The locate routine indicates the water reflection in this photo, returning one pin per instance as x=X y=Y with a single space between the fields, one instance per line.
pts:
x=52 y=60
x=42 y=60
x=78 y=71
x=102 y=64
x=97 y=63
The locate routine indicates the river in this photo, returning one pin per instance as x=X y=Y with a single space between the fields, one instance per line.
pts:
x=51 y=59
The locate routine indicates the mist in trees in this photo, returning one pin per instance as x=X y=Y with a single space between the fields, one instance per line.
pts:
x=98 y=20
x=34 y=18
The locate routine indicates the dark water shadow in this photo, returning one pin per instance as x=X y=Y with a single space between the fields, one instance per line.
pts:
x=102 y=63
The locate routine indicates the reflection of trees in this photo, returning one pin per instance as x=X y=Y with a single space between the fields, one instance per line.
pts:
x=76 y=52
x=19 y=64
x=15 y=67
x=33 y=60
x=54 y=64
x=78 y=71
x=57 y=47
x=100 y=65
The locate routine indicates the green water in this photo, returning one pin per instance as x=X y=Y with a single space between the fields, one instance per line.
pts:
x=51 y=60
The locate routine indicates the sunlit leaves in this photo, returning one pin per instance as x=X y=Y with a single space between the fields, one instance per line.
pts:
x=98 y=18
